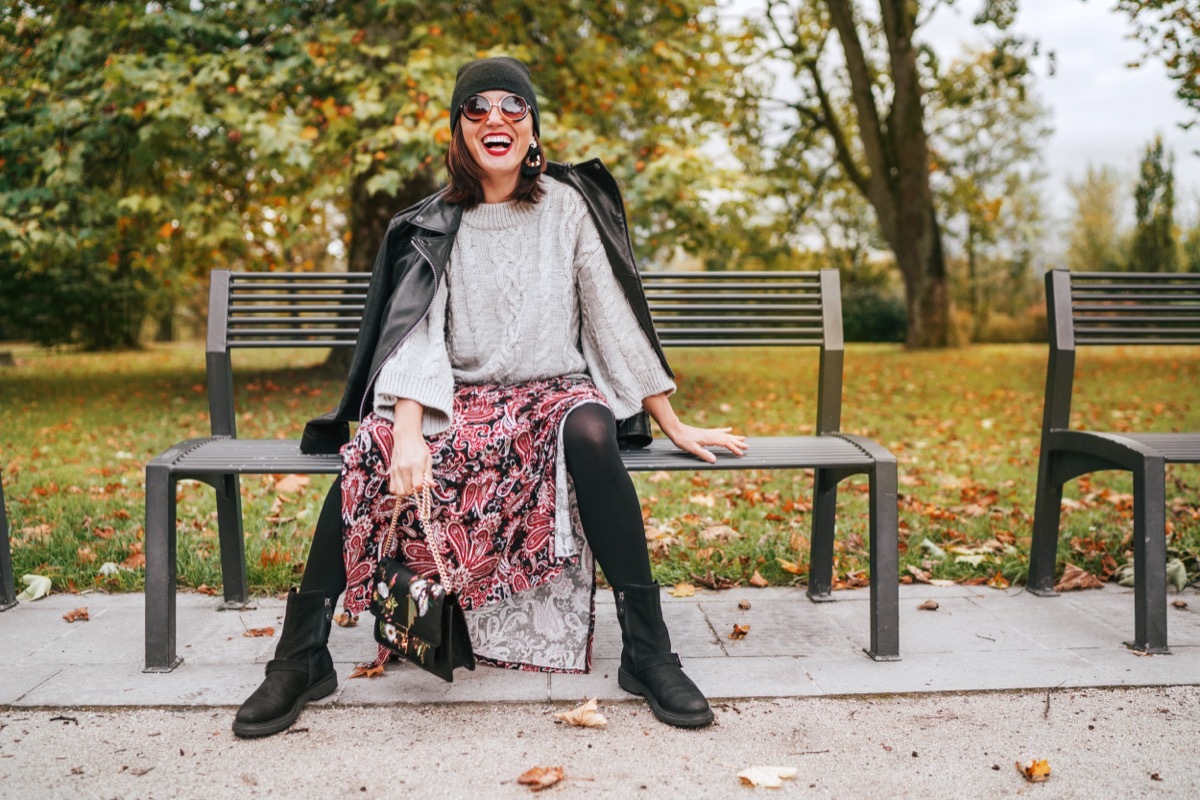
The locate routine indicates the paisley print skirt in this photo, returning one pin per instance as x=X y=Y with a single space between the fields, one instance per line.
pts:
x=499 y=475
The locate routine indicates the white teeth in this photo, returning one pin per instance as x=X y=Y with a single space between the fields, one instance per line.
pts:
x=497 y=140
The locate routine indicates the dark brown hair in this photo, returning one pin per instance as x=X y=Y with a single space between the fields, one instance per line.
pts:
x=465 y=187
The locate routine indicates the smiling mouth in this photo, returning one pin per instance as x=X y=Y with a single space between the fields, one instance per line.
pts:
x=497 y=144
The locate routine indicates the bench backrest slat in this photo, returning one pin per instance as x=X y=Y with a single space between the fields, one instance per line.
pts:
x=689 y=309
x=1112 y=308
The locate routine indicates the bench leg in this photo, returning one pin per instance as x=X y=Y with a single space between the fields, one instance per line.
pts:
x=8 y=583
x=885 y=563
x=160 y=570
x=233 y=543
x=1150 y=557
x=824 y=521
x=1047 y=511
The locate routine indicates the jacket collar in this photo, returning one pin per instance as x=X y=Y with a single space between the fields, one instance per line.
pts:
x=437 y=216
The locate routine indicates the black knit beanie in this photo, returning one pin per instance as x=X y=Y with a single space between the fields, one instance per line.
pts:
x=501 y=72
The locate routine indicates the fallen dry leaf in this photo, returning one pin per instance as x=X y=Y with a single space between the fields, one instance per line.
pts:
x=538 y=778
x=682 y=590
x=758 y=580
x=791 y=567
x=929 y=605
x=739 y=631
x=919 y=575
x=586 y=715
x=345 y=620
x=711 y=580
x=1035 y=771
x=719 y=533
x=290 y=484
x=706 y=500
x=367 y=671
x=204 y=588
x=1180 y=604
x=258 y=632
x=78 y=614
x=744 y=605
x=768 y=777
x=998 y=581
x=1074 y=578
x=941 y=582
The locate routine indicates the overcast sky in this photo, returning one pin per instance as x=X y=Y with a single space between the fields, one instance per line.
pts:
x=1102 y=111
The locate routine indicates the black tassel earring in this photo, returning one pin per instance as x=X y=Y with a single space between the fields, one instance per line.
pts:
x=531 y=167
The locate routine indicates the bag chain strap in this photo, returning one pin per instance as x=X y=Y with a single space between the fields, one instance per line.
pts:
x=432 y=539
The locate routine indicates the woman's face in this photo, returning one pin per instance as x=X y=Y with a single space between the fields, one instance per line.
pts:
x=497 y=145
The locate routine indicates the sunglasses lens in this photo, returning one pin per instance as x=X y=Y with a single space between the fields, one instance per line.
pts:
x=514 y=108
x=476 y=107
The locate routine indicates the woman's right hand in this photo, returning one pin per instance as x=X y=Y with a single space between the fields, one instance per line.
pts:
x=412 y=463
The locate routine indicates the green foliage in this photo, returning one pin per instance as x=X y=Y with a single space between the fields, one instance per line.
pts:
x=1170 y=31
x=142 y=144
x=1095 y=239
x=1155 y=245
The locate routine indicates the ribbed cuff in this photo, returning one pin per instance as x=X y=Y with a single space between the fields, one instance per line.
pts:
x=436 y=396
x=646 y=385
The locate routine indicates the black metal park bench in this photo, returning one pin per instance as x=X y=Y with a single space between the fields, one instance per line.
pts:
x=1105 y=308
x=692 y=309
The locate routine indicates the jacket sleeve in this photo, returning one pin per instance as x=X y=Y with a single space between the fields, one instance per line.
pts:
x=420 y=370
x=621 y=360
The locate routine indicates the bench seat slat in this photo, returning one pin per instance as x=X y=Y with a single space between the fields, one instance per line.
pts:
x=219 y=456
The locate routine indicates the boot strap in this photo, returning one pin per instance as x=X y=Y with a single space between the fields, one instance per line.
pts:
x=658 y=660
x=287 y=665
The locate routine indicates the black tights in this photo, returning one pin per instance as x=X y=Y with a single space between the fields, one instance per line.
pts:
x=608 y=508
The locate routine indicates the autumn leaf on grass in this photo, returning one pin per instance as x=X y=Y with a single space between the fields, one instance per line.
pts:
x=683 y=590
x=583 y=716
x=791 y=567
x=739 y=631
x=1076 y=578
x=289 y=484
x=768 y=777
x=79 y=614
x=538 y=778
x=1035 y=771
x=254 y=633
x=367 y=671
x=345 y=620
x=758 y=580
x=929 y=605
x=211 y=591
x=719 y=533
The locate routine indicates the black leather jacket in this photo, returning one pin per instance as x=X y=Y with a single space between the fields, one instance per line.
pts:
x=411 y=262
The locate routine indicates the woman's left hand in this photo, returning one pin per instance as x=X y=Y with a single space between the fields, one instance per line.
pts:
x=697 y=441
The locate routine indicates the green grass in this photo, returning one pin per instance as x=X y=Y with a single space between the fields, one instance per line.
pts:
x=77 y=430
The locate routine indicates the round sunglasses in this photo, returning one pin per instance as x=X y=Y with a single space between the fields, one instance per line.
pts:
x=512 y=107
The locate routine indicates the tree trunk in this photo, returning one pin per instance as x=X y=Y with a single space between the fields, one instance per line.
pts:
x=370 y=213
x=896 y=181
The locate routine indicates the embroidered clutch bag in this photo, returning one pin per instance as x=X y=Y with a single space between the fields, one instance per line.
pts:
x=418 y=618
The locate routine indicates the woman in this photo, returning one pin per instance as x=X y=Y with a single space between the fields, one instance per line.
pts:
x=504 y=334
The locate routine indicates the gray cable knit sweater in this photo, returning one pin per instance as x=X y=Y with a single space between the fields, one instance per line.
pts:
x=529 y=294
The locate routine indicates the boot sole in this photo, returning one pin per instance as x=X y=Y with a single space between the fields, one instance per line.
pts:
x=250 y=730
x=634 y=686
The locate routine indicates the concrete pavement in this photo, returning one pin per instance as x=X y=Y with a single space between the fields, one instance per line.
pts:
x=989 y=678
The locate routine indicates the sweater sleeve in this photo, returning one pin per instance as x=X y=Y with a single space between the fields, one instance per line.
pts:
x=622 y=362
x=420 y=370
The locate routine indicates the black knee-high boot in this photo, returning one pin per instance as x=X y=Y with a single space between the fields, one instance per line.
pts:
x=302 y=670
x=648 y=667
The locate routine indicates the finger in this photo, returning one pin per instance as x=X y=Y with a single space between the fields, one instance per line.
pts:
x=703 y=454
